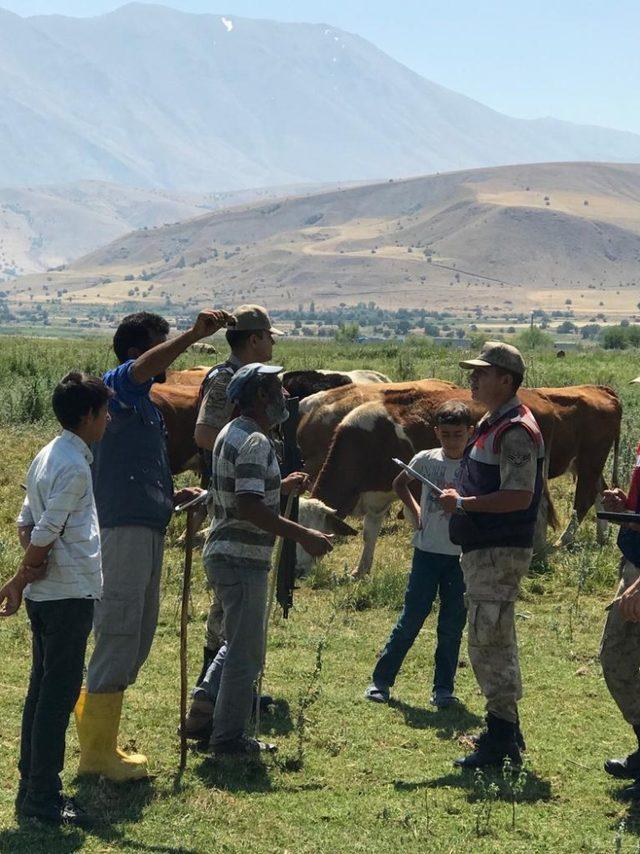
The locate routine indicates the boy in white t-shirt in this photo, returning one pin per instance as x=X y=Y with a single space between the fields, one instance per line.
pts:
x=436 y=564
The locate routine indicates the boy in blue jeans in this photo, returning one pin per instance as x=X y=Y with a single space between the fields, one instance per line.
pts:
x=436 y=564
x=60 y=578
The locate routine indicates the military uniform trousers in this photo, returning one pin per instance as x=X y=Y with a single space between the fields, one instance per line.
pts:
x=620 y=654
x=492 y=579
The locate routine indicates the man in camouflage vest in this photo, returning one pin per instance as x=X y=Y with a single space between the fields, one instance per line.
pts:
x=494 y=509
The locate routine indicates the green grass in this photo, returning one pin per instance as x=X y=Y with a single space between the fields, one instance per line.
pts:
x=349 y=776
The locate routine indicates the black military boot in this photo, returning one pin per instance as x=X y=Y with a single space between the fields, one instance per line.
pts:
x=627 y=768
x=495 y=744
x=208 y=656
x=519 y=737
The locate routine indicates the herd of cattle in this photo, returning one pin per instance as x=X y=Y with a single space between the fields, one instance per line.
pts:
x=353 y=423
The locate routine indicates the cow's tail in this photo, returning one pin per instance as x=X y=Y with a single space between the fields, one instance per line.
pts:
x=616 y=460
x=552 y=516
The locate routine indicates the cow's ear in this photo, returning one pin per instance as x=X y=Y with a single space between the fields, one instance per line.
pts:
x=339 y=526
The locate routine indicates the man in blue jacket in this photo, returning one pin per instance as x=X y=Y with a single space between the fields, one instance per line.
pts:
x=135 y=499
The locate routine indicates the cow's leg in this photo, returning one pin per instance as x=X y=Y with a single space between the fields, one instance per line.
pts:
x=375 y=506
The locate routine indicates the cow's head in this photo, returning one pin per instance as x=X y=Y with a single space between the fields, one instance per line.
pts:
x=317 y=515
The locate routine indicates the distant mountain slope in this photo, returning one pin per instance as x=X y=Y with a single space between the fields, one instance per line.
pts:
x=149 y=96
x=498 y=234
x=43 y=227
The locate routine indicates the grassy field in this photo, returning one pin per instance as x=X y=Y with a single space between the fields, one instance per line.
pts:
x=349 y=776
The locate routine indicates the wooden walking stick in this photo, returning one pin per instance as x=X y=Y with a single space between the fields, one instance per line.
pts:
x=190 y=507
x=277 y=552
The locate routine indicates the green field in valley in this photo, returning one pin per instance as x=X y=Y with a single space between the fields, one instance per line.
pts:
x=349 y=776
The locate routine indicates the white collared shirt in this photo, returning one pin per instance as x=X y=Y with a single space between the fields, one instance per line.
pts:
x=60 y=506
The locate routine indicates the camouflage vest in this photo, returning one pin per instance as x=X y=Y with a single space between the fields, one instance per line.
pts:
x=480 y=475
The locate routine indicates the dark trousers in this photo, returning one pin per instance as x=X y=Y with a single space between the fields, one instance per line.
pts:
x=430 y=574
x=60 y=630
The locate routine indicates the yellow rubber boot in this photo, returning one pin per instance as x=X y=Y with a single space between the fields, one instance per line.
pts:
x=97 y=721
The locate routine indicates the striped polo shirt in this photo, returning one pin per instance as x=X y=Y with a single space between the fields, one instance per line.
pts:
x=243 y=461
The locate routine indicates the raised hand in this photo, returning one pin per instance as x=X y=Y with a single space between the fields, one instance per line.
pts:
x=209 y=321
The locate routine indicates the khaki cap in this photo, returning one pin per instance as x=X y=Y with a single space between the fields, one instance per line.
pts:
x=498 y=355
x=253 y=318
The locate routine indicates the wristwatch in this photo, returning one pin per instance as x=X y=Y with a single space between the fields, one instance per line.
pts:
x=459 y=507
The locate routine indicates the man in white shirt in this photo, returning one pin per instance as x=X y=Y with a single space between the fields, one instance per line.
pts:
x=61 y=579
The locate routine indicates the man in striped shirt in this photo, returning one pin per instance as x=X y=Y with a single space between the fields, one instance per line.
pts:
x=61 y=579
x=245 y=487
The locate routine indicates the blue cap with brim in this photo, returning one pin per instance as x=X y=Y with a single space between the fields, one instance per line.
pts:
x=244 y=374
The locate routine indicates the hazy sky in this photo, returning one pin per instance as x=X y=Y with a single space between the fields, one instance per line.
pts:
x=573 y=59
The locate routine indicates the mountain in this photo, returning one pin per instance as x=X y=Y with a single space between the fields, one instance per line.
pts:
x=51 y=225
x=533 y=235
x=151 y=97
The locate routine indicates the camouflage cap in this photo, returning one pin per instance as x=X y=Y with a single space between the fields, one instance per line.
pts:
x=253 y=318
x=498 y=355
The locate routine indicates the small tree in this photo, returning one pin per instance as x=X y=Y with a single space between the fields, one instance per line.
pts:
x=533 y=339
x=347 y=333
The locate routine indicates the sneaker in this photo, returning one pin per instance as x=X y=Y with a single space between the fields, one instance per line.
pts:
x=243 y=746
x=377 y=693
x=442 y=699
x=63 y=811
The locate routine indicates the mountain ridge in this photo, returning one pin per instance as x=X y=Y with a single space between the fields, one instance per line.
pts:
x=152 y=97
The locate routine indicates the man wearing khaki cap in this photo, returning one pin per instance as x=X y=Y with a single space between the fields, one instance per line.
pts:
x=494 y=509
x=251 y=340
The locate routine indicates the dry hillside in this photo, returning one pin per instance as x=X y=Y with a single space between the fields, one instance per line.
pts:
x=534 y=234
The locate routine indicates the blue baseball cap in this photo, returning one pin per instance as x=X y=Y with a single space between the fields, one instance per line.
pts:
x=244 y=374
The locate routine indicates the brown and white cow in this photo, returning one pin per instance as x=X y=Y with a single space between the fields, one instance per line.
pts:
x=178 y=399
x=377 y=423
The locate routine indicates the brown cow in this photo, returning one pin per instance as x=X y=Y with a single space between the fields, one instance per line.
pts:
x=395 y=420
x=189 y=377
x=589 y=419
x=179 y=407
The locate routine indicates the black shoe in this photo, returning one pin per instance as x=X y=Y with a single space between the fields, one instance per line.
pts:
x=624 y=769
x=243 y=746
x=208 y=655
x=497 y=743
x=62 y=811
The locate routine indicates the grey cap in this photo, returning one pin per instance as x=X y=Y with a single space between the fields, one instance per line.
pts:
x=498 y=355
x=244 y=374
